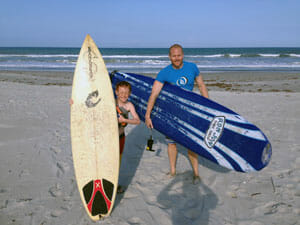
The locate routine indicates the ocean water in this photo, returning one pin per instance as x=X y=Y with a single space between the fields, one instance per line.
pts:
x=152 y=60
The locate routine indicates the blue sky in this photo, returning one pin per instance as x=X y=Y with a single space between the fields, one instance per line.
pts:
x=153 y=23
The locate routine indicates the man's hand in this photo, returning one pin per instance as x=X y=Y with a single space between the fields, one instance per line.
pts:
x=148 y=122
x=156 y=88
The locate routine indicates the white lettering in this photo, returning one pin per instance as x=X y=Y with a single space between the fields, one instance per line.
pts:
x=214 y=131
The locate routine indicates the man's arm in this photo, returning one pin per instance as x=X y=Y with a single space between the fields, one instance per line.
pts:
x=156 y=88
x=202 y=86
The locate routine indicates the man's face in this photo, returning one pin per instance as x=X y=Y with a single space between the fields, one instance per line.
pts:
x=176 y=57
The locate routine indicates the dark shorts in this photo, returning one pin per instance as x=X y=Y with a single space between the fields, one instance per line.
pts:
x=122 y=143
x=170 y=141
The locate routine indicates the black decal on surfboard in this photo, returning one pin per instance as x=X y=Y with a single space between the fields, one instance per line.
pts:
x=88 y=191
x=92 y=100
x=99 y=205
x=91 y=64
x=95 y=198
x=108 y=188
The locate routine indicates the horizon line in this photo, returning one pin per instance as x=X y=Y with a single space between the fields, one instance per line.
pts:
x=150 y=47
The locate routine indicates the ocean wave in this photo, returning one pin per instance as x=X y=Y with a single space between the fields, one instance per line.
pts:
x=136 y=56
x=163 y=57
x=212 y=56
x=250 y=66
x=159 y=66
x=39 y=56
x=209 y=56
x=133 y=66
x=135 y=61
x=234 y=55
x=269 y=55
x=294 y=55
x=246 y=55
x=35 y=66
x=66 y=61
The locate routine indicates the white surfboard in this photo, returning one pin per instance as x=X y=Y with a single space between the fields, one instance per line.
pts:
x=94 y=132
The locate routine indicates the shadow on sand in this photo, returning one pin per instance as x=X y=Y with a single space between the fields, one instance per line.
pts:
x=134 y=148
x=188 y=203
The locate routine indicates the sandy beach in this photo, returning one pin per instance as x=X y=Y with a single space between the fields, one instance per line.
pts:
x=37 y=182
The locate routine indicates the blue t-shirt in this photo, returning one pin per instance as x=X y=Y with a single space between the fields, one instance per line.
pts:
x=183 y=77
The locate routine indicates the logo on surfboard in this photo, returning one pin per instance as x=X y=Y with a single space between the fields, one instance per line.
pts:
x=214 y=131
x=93 y=99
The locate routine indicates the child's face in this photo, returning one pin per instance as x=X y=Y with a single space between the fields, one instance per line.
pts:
x=123 y=93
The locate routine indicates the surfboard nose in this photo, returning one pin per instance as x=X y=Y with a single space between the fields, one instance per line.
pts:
x=88 y=38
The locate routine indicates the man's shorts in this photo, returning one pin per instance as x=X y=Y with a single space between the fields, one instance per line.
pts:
x=170 y=141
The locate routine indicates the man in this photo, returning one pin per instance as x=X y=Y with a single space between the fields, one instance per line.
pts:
x=183 y=74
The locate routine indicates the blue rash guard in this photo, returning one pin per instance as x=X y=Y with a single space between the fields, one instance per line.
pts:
x=183 y=77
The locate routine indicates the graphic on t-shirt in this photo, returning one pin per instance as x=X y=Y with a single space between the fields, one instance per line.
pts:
x=182 y=81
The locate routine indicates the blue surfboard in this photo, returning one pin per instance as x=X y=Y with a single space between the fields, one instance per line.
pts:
x=201 y=125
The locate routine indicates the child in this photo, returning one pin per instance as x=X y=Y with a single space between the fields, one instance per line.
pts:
x=123 y=91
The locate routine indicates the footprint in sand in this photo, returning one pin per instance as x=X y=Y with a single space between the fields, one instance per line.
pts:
x=55 y=149
x=62 y=167
x=3 y=190
x=56 y=191
x=57 y=212
x=269 y=208
x=3 y=204
x=250 y=223
x=297 y=162
x=130 y=194
x=147 y=195
x=297 y=190
x=24 y=173
x=136 y=220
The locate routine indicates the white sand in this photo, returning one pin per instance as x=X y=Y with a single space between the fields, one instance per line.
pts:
x=37 y=183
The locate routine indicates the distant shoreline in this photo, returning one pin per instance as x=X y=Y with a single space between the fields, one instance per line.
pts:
x=152 y=60
x=220 y=81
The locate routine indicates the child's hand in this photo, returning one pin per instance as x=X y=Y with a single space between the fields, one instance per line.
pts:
x=121 y=119
x=71 y=101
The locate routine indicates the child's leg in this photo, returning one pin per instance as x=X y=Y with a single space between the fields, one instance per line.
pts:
x=122 y=145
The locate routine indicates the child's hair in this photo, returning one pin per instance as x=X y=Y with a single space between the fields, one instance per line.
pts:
x=123 y=84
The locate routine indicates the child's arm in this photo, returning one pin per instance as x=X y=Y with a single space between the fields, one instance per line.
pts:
x=135 y=117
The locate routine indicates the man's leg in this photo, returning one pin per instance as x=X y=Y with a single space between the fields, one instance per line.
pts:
x=172 y=152
x=194 y=161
